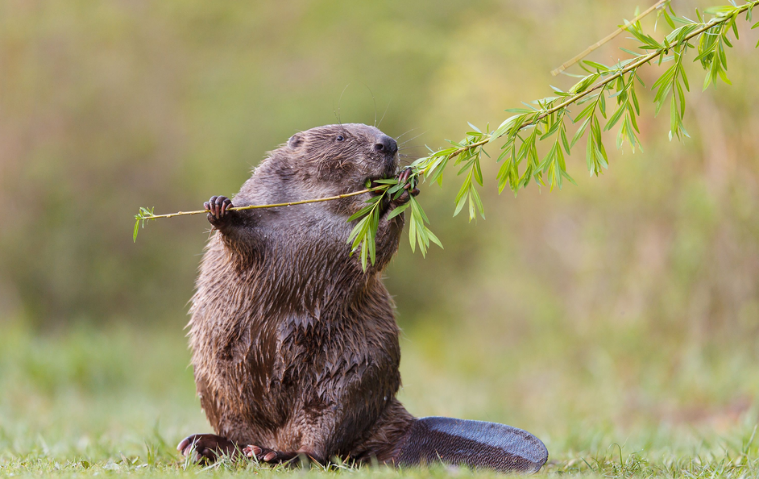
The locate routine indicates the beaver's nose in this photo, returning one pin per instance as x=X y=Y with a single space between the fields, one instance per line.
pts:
x=386 y=145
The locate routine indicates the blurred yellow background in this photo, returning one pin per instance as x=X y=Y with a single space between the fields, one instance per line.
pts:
x=621 y=310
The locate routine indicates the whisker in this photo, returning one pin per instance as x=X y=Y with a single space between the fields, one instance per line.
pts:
x=412 y=139
x=383 y=114
x=408 y=158
x=407 y=161
x=337 y=112
x=375 y=103
x=408 y=131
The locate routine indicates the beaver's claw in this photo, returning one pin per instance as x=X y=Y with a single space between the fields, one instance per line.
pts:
x=217 y=208
x=270 y=456
x=403 y=178
x=206 y=447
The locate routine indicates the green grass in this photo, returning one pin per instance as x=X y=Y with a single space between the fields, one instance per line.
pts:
x=90 y=402
x=617 y=320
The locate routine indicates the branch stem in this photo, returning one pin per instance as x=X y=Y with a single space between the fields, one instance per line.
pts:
x=275 y=205
x=632 y=66
x=606 y=39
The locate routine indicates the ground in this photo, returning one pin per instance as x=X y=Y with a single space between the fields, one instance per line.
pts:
x=86 y=402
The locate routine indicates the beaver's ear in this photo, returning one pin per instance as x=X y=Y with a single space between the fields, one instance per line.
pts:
x=295 y=141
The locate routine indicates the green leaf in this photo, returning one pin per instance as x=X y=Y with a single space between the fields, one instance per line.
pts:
x=357 y=233
x=665 y=78
x=615 y=118
x=668 y=19
x=362 y=212
x=648 y=42
x=412 y=234
x=684 y=77
x=583 y=84
x=398 y=210
x=417 y=210
x=363 y=258
x=434 y=238
x=508 y=123
x=681 y=97
x=564 y=141
x=477 y=171
x=722 y=11
x=630 y=52
x=566 y=175
x=371 y=241
x=586 y=112
x=460 y=205
x=735 y=29
x=598 y=66
x=477 y=201
x=580 y=132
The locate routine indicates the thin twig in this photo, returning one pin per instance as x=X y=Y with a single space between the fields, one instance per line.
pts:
x=606 y=39
x=275 y=205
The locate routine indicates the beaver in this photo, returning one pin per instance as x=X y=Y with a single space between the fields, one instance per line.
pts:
x=295 y=347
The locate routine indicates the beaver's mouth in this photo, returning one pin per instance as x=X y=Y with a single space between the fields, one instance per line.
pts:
x=373 y=182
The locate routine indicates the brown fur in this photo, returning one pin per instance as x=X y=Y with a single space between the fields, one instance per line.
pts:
x=295 y=347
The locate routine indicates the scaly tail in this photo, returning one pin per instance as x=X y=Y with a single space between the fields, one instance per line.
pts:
x=476 y=444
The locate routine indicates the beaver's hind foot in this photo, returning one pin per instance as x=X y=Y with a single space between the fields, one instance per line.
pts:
x=269 y=456
x=207 y=447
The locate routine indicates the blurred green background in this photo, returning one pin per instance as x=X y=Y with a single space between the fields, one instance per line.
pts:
x=623 y=310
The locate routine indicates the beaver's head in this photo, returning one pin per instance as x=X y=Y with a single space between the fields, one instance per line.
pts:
x=323 y=162
x=344 y=156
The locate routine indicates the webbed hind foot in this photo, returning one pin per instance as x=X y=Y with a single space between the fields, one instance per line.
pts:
x=269 y=456
x=207 y=447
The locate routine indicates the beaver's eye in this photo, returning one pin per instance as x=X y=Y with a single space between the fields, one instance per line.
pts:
x=340 y=138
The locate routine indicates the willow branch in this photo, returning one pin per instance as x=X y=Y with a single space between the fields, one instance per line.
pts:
x=275 y=205
x=573 y=99
x=468 y=152
x=630 y=67
x=606 y=39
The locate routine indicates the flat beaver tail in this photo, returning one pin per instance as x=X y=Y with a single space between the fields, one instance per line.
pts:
x=475 y=444
x=381 y=442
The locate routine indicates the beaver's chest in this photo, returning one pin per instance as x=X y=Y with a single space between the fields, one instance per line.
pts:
x=270 y=374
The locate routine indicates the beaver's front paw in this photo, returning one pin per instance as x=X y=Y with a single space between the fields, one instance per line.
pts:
x=409 y=188
x=217 y=208
x=269 y=456
x=207 y=447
